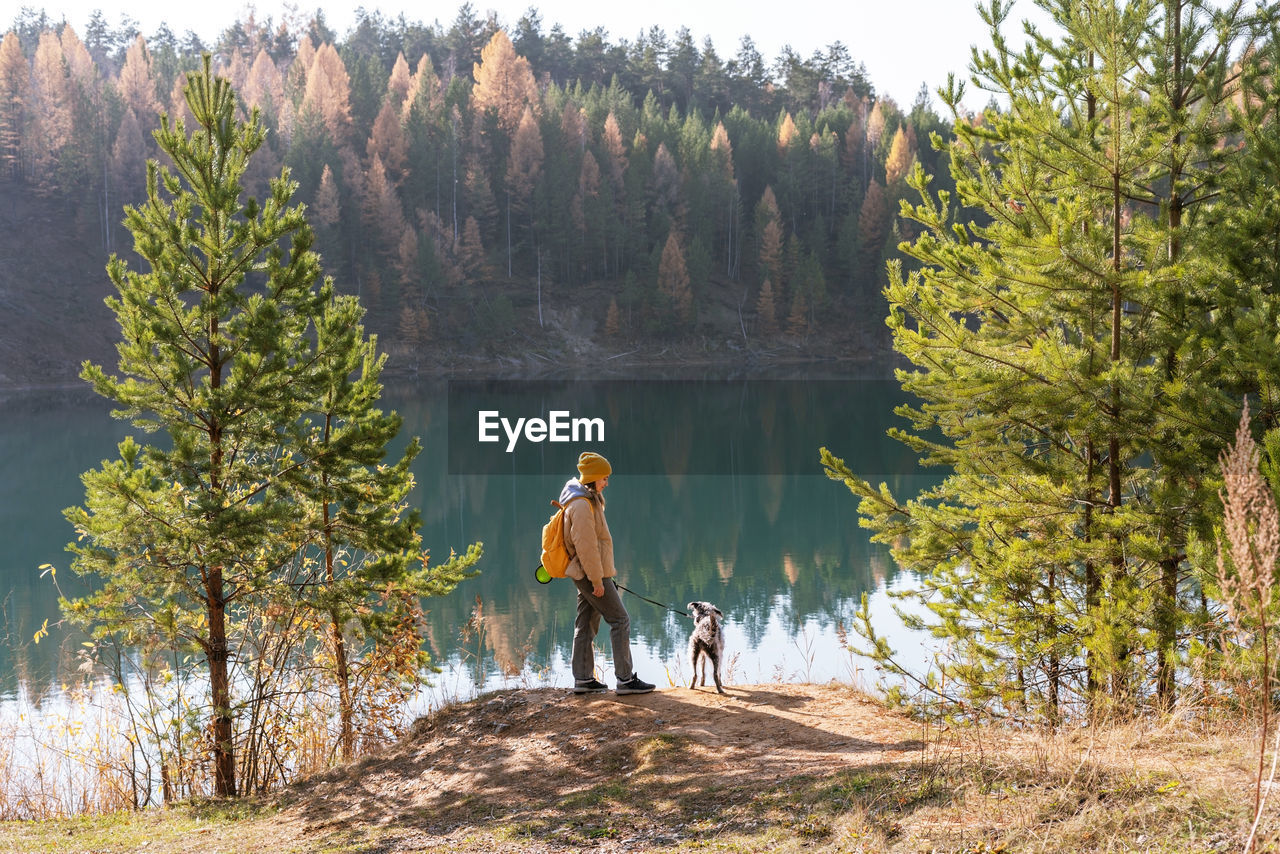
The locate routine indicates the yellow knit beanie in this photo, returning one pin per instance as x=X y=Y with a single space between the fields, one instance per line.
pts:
x=592 y=467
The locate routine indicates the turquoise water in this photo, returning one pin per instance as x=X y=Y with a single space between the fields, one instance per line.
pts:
x=717 y=495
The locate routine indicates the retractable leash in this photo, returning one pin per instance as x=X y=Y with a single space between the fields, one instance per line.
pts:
x=651 y=601
x=544 y=578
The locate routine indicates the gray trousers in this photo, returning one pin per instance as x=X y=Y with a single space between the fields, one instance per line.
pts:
x=587 y=623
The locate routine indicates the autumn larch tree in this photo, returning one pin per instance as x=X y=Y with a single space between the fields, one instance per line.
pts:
x=901 y=155
x=504 y=83
x=769 y=236
x=49 y=113
x=523 y=168
x=14 y=75
x=136 y=84
x=767 y=309
x=673 y=281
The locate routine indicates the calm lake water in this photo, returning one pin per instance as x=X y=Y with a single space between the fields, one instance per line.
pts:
x=717 y=495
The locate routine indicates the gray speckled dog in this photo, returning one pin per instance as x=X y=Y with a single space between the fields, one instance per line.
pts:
x=706 y=642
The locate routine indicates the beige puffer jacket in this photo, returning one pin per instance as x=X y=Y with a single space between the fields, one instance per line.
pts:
x=586 y=533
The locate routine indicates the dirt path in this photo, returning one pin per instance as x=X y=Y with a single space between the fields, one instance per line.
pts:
x=535 y=759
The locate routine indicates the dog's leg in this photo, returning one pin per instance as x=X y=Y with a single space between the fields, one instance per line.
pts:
x=714 y=655
x=693 y=665
x=701 y=663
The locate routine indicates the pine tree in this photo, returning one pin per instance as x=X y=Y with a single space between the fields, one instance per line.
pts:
x=479 y=193
x=356 y=504
x=1063 y=347
x=263 y=386
x=176 y=534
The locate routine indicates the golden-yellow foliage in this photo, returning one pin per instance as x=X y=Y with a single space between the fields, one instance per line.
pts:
x=787 y=133
x=504 y=82
x=901 y=155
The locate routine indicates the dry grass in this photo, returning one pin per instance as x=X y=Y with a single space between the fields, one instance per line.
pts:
x=771 y=767
x=781 y=768
x=69 y=757
x=1172 y=786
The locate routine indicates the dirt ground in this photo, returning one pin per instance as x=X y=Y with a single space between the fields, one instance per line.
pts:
x=530 y=757
x=784 y=768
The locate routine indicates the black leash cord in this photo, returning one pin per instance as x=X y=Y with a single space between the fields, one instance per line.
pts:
x=650 y=601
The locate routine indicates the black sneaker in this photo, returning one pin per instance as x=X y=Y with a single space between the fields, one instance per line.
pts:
x=593 y=686
x=634 y=685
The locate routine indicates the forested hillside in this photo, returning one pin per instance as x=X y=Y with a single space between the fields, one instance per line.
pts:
x=487 y=192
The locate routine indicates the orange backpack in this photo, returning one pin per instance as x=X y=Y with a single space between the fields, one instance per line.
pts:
x=555 y=554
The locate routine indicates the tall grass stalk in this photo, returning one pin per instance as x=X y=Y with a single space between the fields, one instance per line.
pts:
x=1246 y=570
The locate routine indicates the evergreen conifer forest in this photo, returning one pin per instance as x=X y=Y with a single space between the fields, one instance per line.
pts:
x=463 y=179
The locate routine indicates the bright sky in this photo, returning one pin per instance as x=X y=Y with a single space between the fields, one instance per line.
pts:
x=902 y=43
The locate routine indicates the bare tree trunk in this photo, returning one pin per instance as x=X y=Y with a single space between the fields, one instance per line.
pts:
x=342 y=669
x=1054 y=675
x=224 y=759
x=1092 y=584
x=1167 y=600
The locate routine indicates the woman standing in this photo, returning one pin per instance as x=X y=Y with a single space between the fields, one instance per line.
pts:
x=590 y=546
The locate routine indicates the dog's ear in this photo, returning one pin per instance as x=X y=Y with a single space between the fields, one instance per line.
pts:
x=719 y=613
x=693 y=609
